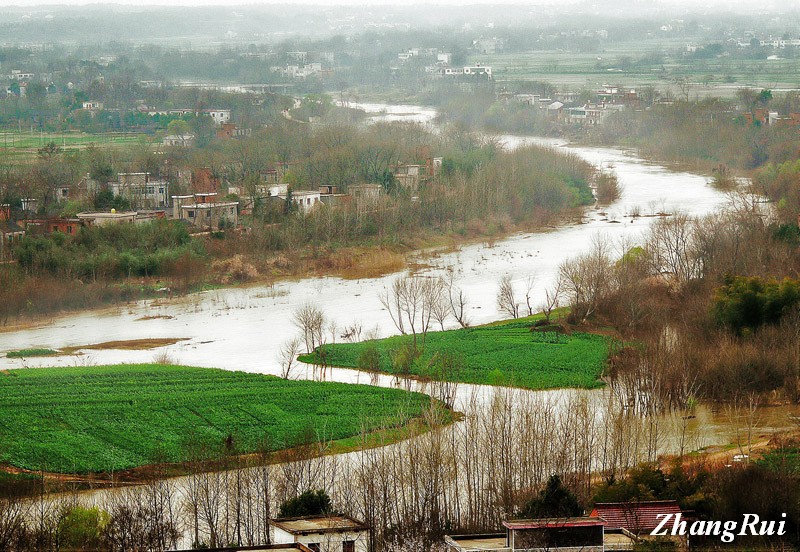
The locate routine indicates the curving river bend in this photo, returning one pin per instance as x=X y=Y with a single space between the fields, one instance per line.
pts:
x=243 y=328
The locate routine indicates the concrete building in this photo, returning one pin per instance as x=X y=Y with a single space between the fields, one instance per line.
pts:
x=365 y=193
x=577 y=534
x=11 y=233
x=141 y=190
x=305 y=200
x=178 y=140
x=334 y=533
x=295 y=547
x=204 y=211
x=107 y=218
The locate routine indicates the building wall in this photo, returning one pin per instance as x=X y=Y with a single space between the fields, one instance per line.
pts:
x=328 y=542
x=211 y=214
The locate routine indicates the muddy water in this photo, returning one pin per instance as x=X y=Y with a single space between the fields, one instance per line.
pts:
x=243 y=328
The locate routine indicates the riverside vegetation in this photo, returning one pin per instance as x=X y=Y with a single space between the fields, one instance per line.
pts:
x=517 y=353
x=481 y=190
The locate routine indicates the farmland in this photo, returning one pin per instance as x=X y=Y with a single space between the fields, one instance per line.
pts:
x=504 y=353
x=659 y=64
x=104 y=418
x=18 y=147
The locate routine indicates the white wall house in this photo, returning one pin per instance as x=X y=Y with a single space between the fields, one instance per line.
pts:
x=333 y=533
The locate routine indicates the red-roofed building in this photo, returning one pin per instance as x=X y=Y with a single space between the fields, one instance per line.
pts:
x=637 y=517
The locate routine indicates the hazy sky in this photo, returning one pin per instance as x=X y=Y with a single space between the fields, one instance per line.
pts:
x=693 y=5
x=729 y=3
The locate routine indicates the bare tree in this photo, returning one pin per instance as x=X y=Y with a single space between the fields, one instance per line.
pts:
x=585 y=280
x=311 y=321
x=458 y=302
x=506 y=301
x=411 y=303
x=288 y=355
x=529 y=282
x=551 y=298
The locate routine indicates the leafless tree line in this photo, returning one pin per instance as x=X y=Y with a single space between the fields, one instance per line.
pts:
x=466 y=476
x=658 y=293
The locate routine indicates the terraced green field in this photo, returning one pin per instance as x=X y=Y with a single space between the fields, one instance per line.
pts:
x=504 y=353
x=103 y=418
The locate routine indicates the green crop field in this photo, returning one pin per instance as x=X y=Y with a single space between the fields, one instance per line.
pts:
x=503 y=353
x=24 y=146
x=103 y=418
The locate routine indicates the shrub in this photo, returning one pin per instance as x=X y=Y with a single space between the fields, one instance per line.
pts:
x=310 y=503
x=745 y=303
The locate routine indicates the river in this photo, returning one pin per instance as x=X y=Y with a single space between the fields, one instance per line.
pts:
x=242 y=328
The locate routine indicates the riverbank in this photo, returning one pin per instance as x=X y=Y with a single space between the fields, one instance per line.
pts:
x=529 y=353
x=42 y=301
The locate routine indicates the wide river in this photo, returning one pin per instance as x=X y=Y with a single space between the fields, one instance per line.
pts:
x=243 y=328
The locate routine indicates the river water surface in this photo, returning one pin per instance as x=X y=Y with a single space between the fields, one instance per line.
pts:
x=243 y=328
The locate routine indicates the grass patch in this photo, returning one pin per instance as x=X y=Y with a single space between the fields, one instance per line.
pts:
x=22 y=353
x=103 y=418
x=502 y=353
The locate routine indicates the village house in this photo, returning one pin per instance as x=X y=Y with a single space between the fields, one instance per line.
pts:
x=574 y=534
x=365 y=193
x=330 y=196
x=638 y=519
x=334 y=533
x=93 y=106
x=178 y=140
x=305 y=200
x=62 y=193
x=68 y=226
x=11 y=233
x=219 y=116
x=140 y=190
x=107 y=218
x=591 y=114
x=293 y=547
x=231 y=130
x=410 y=176
x=203 y=210
x=29 y=205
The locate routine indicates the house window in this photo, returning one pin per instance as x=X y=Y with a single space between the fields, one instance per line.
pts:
x=161 y=190
x=348 y=546
x=69 y=229
x=191 y=214
x=314 y=546
x=208 y=214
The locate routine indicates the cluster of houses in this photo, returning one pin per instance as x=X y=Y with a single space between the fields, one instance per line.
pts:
x=208 y=206
x=609 y=527
x=440 y=65
x=767 y=117
x=606 y=101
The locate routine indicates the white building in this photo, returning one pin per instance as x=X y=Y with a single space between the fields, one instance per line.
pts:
x=179 y=140
x=305 y=200
x=322 y=533
x=141 y=190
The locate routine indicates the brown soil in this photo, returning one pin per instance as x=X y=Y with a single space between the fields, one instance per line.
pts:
x=127 y=345
x=155 y=317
